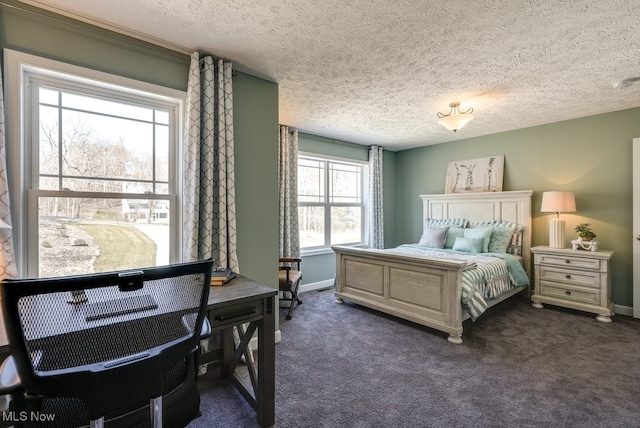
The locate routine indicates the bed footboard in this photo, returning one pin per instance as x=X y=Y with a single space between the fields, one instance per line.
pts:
x=419 y=289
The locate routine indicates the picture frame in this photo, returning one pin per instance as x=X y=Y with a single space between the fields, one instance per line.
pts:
x=475 y=175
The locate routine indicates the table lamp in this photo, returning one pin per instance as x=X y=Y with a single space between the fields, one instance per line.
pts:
x=557 y=202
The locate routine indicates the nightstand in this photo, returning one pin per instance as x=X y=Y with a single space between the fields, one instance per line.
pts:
x=575 y=279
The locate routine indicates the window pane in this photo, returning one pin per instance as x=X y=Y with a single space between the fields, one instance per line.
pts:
x=311 y=226
x=98 y=105
x=49 y=140
x=102 y=146
x=162 y=153
x=78 y=236
x=162 y=116
x=346 y=225
x=346 y=183
x=98 y=145
x=49 y=96
x=311 y=180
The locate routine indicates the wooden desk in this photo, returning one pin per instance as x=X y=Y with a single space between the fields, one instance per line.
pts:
x=244 y=301
x=240 y=301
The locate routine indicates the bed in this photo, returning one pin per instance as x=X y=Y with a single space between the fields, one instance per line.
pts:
x=426 y=288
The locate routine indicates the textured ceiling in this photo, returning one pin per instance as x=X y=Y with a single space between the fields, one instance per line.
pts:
x=378 y=71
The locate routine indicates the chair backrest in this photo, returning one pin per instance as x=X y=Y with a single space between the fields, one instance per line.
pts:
x=107 y=338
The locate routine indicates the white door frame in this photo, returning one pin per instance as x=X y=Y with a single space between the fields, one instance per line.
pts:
x=636 y=227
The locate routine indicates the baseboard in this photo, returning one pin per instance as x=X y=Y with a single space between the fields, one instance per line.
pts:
x=623 y=310
x=320 y=285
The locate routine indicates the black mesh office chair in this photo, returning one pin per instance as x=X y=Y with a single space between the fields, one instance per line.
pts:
x=118 y=347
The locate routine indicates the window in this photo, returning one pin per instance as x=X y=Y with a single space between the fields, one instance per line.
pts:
x=331 y=208
x=101 y=185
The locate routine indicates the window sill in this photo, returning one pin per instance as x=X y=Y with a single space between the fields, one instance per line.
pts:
x=322 y=251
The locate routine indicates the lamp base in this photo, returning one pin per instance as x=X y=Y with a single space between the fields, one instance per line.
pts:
x=556 y=233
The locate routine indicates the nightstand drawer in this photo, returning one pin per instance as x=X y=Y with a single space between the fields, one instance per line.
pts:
x=575 y=262
x=569 y=276
x=577 y=294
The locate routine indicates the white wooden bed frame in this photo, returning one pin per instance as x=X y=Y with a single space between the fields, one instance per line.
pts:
x=426 y=290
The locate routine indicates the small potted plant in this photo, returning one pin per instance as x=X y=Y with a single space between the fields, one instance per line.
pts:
x=584 y=231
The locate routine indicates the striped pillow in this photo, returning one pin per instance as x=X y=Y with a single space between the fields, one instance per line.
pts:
x=452 y=222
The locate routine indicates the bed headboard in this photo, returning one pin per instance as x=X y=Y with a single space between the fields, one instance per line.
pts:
x=512 y=206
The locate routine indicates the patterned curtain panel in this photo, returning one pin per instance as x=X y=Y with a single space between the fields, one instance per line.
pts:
x=209 y=228
x=376 y=216
x=289 y=232
x=7 y=259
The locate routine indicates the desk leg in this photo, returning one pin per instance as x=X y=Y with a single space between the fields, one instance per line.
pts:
x=266 y=365
x=227 y=348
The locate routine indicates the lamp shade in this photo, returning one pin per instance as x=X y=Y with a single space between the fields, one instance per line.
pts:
x=455 y=121
x=558 y=202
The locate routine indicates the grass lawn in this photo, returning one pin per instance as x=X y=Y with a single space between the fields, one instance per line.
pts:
x=121 y=247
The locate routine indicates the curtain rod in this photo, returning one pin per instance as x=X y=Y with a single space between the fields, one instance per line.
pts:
x=330 y=140
x=28 y=6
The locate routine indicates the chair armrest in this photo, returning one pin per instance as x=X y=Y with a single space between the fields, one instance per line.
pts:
x=206 y=329
x=9 y=378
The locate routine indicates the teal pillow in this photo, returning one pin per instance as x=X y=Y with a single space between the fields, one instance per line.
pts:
x=500 y=239
x=480 y=232
x=468 y=245
x=452 y=234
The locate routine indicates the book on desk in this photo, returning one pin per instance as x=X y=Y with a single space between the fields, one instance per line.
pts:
x=222 y=276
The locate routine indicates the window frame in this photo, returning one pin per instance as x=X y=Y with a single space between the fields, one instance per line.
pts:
x=365 y=205
x=21 y=70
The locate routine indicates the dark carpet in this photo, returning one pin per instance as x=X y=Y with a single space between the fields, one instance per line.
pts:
x=347 y=366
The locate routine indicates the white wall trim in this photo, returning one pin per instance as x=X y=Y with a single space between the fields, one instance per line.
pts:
x=320 y=285
x=623 y=310
x=105 y=25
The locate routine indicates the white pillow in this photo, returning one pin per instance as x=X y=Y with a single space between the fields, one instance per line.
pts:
x=434 y=237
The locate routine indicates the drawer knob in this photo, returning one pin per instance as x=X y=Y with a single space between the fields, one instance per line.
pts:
x=568 y=292
x=567 y=261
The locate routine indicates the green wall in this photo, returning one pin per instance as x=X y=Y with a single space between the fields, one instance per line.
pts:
x=48 y=35
x=256 y=136
x=322 y=267
x=590 y=156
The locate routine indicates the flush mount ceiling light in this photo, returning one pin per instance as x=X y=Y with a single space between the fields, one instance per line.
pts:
x=455 y=119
